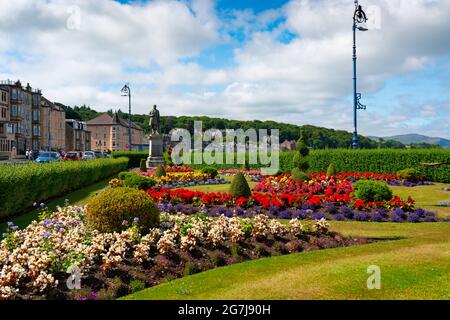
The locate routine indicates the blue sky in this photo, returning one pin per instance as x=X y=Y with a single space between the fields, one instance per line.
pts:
x=288 y=61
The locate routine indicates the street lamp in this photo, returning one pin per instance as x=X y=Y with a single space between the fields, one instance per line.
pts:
x=126 y=92
x=358 y=17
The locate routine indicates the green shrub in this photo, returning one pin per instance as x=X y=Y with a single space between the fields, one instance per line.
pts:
x=107 y=211
x=210 y=171
x=409 y=174
x=300 y=175
x=143 y=165
x=160 y=172
x=125 y=174
x=300 y=162
x=22 y=185
x=245 y=165
x=331 y=172
x=302 y=148
x=137 y=285
x=137 y=181
x=239 y=186
x=369 y=190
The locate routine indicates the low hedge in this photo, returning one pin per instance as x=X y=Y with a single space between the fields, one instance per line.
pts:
x=22 y=185
x=134 y=157
x=345 y=160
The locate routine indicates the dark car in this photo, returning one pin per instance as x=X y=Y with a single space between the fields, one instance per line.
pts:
x=45 y=157
x=71 y=156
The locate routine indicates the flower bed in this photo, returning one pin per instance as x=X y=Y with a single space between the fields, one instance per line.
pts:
x=232 y=172
x=34 y=262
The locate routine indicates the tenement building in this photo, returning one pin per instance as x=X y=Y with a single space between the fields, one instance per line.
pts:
x=78 y=137
x=110 y=133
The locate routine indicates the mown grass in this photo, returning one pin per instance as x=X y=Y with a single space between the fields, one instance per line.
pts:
x=218 y=187
x=427 y=197
x=415 y=266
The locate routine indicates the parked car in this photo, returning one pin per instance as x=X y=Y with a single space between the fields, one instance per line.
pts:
x=48 y=156
x=89 y=155
x=72 y=156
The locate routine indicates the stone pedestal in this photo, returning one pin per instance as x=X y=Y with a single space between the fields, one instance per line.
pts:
x=155 y=151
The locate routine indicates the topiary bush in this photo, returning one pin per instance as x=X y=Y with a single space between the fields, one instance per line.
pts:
x=245 y=165
x=331 y=172
x=300 y=162
x=143 y=165
x=114 y=210
x=300 y=175
x=409 y=174
x=239 y=186
x=369 y=190
x=160 y=172
x=137 y=181
x=210 y=171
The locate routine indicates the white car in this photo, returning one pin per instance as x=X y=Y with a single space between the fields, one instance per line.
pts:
x=88 y=155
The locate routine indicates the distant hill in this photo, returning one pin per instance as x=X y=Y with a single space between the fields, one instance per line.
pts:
x=413 y=138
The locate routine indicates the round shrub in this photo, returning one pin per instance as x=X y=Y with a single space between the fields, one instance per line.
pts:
x=210 y=171
x=113 y=210
x=160 y=172
x=409 y=174
x=300 y=175
x=369 y=190
x=302 y=148
x=143 y=165
x=137 y=181
x=239 y=186
x=331 y=172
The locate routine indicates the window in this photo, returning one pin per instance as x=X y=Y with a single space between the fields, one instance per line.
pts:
x=14 y=94
x=4 y=96
x=36 y=100
x=4 y=145
x=2 y=128
x=36 y=130
x=3 y=113
x=36 y=115
x=114 y=136
x=14 y=110
x=114 y=143
x=10 y=129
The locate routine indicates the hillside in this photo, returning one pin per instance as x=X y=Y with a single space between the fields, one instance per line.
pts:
x=415 y=139
x=316 y=137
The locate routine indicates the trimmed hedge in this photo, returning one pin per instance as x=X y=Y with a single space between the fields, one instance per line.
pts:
x=22 y=185
x=345 y=160
x=134 y=157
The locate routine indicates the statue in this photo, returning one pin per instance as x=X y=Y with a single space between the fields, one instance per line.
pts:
x=156 y=143
x=154 y=121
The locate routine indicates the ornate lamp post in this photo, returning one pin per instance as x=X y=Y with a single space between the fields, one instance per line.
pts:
x=126 y=92
x=358 y=17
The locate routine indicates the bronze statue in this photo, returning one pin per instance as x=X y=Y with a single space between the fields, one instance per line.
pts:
x=155 y=121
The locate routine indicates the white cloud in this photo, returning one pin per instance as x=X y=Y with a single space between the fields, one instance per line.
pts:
x=307 y=80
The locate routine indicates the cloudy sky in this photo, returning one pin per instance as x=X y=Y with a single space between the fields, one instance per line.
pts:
x=282 y=60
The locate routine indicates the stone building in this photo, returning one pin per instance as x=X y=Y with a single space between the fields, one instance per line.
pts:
x=53 y=126
x=78 y=137
x=110 y=133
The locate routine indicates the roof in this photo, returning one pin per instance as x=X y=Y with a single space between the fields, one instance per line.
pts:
x=106 y=120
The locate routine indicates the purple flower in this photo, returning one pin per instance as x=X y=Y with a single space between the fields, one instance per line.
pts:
x=136 y=220
x=429 y=219
x=239 y=211
x=318 y=215
x=414 y=217
x=47 y=234
x=124 y=222
x=400 y=213
x=339 y=217
x=395 y=218
x=377 y=217
x=360 y=216
x=284 y=215
x=420 y=212
x=47 y=222
x=300 y=214
x=346 y=211
x=331 y=208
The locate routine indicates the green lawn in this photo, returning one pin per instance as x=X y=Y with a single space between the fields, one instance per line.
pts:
x=415 y=264
x=427 y=197
x=218 y=187
x=78 y=197
x=415 y=267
